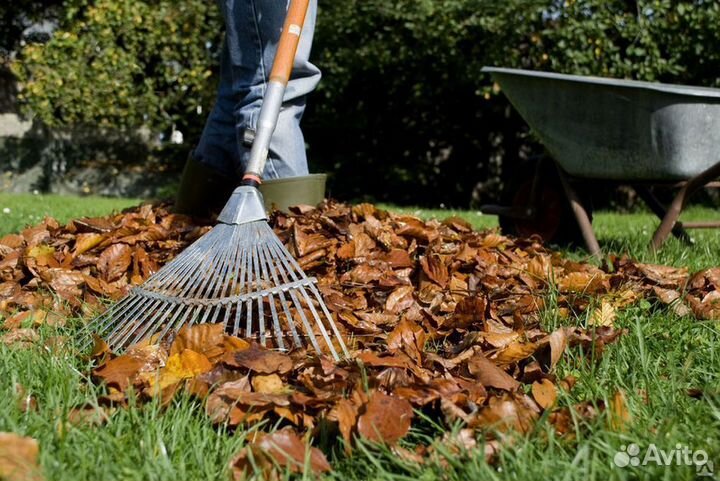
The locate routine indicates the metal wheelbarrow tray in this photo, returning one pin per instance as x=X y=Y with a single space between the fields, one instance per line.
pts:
x=630 y=132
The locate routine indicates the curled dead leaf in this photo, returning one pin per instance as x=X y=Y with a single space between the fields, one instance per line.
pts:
x=386 y=418
x=19 y=458
x=260 y=360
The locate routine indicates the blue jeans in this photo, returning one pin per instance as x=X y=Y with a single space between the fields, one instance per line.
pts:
x=252 y=33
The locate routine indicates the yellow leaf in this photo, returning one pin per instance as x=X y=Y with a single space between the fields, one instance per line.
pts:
x=85 y=242
x=270 y=384
x=184 y=365
x=603 y=315
x=40 y=251
x=620 y=416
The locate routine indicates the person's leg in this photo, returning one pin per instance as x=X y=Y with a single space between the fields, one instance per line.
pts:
x=217 y=147
x=253 y=32
x=209 y=175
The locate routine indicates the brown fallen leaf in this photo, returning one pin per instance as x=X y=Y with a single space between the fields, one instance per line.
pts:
x=435 y=268
x=673 y=299
x=282 y=450
x=583 y=282
x=400 y=300
x=345 y=413
x=386 y=418
x=123 y=370
x=85 y=242
x=114 y=261
x=514 y=352
x=19 y=337
x=19 y=458
x=507 y=413
x=409 y=337
x=558 y=344
x=260 y=360
x=544 y=393
x=489 y=374
x=206 y=339
x=89 y=415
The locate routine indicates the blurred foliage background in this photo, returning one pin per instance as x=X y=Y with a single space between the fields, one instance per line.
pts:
x=403 y=113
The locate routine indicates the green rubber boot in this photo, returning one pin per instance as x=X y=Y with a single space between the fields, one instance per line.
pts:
x=203 y=190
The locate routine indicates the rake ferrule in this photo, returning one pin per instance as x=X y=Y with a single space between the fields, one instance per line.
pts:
x=245 y=205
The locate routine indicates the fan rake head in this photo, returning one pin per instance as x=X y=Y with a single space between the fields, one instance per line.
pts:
x=239 y=274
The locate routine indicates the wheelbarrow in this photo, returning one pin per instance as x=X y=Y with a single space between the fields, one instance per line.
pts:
x=594 y=129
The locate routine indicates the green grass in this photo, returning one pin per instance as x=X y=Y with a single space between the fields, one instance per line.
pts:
x=20 y=210
x=660 y=358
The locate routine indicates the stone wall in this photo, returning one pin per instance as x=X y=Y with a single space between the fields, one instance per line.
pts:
x=32 y=158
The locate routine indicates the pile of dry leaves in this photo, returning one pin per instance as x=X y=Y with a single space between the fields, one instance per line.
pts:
x=443 y=320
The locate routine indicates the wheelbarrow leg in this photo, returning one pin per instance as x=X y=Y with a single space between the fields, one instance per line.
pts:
x=581 y=215
x=678 y=204
x=660 y=211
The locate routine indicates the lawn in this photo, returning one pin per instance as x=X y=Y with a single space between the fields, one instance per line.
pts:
x=661 y=360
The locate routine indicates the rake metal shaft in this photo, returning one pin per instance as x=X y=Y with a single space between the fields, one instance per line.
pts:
x=239 y=273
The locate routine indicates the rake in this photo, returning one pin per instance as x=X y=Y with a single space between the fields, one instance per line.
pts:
x=238 y=273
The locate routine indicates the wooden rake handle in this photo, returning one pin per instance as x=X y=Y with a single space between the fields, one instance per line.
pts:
x=289 y=40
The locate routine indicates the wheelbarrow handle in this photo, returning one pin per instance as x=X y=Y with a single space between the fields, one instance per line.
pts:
x=272 y=102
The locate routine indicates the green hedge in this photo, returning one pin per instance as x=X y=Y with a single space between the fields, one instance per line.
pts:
x=402 y=99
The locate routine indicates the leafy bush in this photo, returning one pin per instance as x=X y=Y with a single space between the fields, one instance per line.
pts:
x=124 y=64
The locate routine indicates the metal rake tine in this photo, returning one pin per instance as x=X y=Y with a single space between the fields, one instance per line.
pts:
x=238 y=308
x=216 y=285
x=273 y=310
x=178 y=267
x=308 y=327
x=294 y=266
x=178 y=309
x=261 y=313
x=208 y=267
x=284 y=259
x=230 y=281
x=222 y=278
x=329 y=318
x=124 y=323
x=281 y=295
x=166 y=310
x=120 y=337
x=319 y=323
x=303 y=318
x=239 y=261
x=218 y=308
x=284 y=273
x=112 y=314
x=101 y=322
x=249 y=315
x=200 y=267
x=169 y=326
x=185 y=272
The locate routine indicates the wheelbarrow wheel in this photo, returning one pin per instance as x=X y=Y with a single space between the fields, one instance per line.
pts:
x=553 y=219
